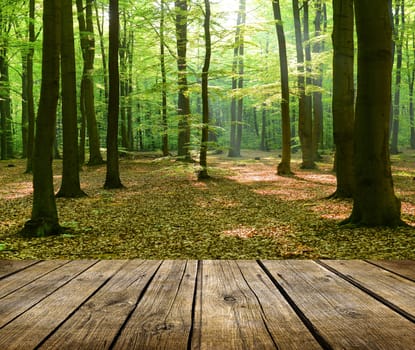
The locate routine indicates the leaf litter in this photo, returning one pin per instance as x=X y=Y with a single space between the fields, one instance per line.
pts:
x=245 y=211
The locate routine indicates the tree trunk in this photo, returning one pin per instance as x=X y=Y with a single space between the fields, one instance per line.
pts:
x=70 y=187
x=87 y=101
x=375 y=203
x=183 y=104
x=318 y=83
x=343 y=95
x=399 y=34
x=29 y=89
x=411 y=79
x=284 y=168
x=203 y=173
x=165 y=136
x=100 y=26
x=304 y=103
x=237 y=83
x=44 y=220
x=113 y=172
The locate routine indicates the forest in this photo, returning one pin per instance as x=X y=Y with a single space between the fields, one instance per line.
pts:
x=207 y=129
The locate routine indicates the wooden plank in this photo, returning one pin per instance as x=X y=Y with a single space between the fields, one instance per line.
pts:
x=390 y=287
x=28 y=275
x=228 y=314
x=346 y=317
x=97 y=322
x=405 y=268
x=285 y=327
x=163 y=317
x=24 y=298
x=8 y=267
x=32 y=327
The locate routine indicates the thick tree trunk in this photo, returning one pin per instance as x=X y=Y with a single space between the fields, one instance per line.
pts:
x=112 y=180
x=44 y=220
x=183 y=104
x=284 y=168
x=203 y=173
x=70 y=187
x=375 y=203
x=343 y=95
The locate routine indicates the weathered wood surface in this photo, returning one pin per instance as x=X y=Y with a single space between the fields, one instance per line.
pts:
x=149 y=304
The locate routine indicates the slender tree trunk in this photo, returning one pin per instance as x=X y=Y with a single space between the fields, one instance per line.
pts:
x=411 y=80
x=71 y=186
x=100 y=26
x=203 y=173
x=343 y=95
x=399 y=34
x=318 y=83
x=87 y=101
x=129 y=108
x=375 y=203
x=25 y=118
x=183 y=96
x=44 y=220
x=113 y=172
x=29 y=88
x=237 y=83
x=304 y=102
x=284 y=168
x=165 y=136
x=264 y=137
x=5 y=108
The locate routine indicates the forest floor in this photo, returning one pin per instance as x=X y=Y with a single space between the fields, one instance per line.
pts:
x=245 y=211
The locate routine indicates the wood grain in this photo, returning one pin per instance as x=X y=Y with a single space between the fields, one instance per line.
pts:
x=8 y=267
x=391 y=288
x=345 y=316
x=24 y=277
x=31 y=327
x=163 y=317
x=404 y=268
x=228 y=314
x=97 y=322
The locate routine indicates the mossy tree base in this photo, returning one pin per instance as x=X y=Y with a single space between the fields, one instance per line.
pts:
x=41 y=228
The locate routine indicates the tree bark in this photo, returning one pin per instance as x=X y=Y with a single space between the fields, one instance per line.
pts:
x=304 y=106
x=343 y=95
x=284 y=168
x=183 y=104
x=318 y=83
x=237 y=83
x=203 y=173
x=87 y=100
x=165 y=136
x=44 y=220
x=112 y=180
x=71 y=186
x=399 y=35
x=375 y=203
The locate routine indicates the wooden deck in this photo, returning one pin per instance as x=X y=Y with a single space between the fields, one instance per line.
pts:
x=147 y=304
